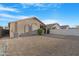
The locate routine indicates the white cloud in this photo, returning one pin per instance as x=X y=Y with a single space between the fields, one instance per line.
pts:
x=7 y=15
x=22 y=17
x=7 y=9
x=2 y=8
x=57 y=5
x=39 y=5
x=42 y=4
x=32 y=4
x=12 y=17
x=50 y=21
x=24 y=5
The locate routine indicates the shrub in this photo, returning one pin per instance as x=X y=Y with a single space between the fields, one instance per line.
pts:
x=40 y=31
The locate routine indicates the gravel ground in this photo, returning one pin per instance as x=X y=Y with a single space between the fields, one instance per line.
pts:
x=3 y=46
x=47 y=45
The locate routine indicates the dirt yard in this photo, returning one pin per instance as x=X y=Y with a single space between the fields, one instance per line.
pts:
x=47 y=45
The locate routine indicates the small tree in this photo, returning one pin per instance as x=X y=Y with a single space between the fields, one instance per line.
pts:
x=40 y=31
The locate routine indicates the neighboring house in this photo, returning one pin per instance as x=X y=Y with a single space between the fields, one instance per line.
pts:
x=25 y=25
x=1 y=28
x=53 y=26
x=4 y=32
x=6 y=28
x=77 y=27
x=65 y=27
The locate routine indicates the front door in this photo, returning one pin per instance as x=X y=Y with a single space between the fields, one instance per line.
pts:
x=30 y=28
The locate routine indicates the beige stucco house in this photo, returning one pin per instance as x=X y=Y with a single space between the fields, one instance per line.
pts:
x=23 y=26
x=53 y=26
x=65 y=27
x=57 y=26
x=77 y=27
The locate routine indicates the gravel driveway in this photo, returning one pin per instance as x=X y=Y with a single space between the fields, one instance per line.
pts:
x=47 y=45
x=3 y=46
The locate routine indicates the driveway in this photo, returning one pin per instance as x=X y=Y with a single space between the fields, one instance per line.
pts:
x=46 y=45
x=54 y=45
x=3 y=46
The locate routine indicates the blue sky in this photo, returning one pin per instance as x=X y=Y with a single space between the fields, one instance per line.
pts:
x=62 y=13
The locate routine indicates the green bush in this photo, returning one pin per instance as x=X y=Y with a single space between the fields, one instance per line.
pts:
x=40 y=31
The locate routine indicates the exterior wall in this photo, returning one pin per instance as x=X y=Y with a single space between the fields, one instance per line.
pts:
x=12 y=29
x=74 y=32
x=56 y=27
x=35 y=26
x=53 y=26
x=22 y=26
x=67 y=27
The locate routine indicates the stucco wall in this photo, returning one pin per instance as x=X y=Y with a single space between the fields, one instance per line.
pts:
x=56 y=27
x=12 y=29
x=23 y=26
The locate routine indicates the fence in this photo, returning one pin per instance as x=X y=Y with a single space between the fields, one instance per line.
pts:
x=74 y=32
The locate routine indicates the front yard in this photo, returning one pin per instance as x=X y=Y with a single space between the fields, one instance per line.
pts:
x=41 y=46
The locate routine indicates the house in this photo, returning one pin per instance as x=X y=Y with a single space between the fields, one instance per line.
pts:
x=77 y=26
x=6 y=28
x=1 y=28
x=65 y=27
x=25 y=25
x=53 y=26
x=4 y=32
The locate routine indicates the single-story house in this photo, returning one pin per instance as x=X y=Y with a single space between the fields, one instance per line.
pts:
x=65 y=27
x=25 y=25
x=4 y=32
x=77 y=27
x=53 y=26
x=6 y=28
